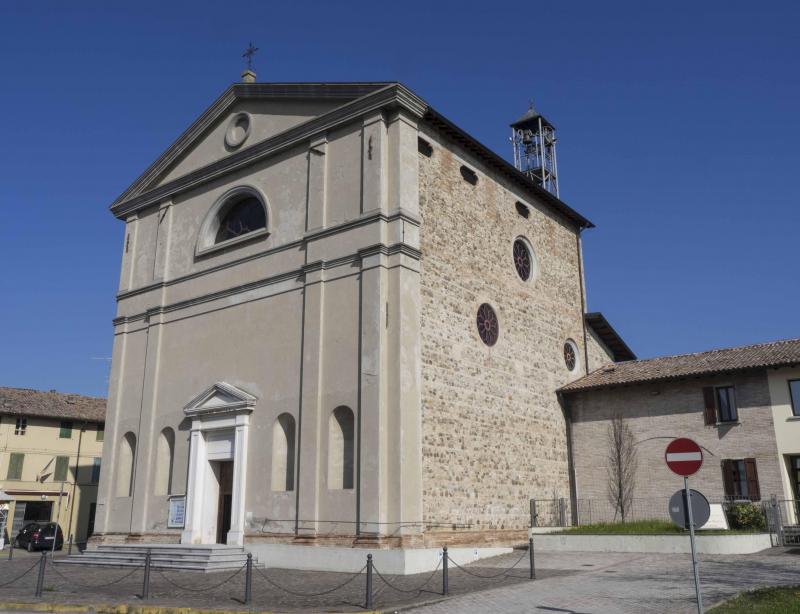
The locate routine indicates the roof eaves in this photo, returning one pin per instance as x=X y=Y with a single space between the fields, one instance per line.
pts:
x=609 y=336
x=440 y=122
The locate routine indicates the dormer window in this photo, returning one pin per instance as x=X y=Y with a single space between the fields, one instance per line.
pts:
x=239 y=215
x=243 y=216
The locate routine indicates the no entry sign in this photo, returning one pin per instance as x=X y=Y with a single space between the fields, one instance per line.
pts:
x=684 y=457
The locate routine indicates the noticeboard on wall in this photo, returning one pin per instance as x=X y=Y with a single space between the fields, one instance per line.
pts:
x=177 y=512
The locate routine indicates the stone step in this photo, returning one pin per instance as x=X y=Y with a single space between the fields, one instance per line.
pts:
x=214 y=557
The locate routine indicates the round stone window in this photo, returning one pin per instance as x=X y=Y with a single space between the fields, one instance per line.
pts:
x=571 y=355
x=523 y=260
x=488 y=326
x=238 y=130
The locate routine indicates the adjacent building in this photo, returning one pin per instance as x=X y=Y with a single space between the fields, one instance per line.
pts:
x=50 y=458
x=742 y=405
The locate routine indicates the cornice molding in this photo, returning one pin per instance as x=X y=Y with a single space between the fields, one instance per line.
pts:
x=307 y=238
x=297 y=275
x=138 y=197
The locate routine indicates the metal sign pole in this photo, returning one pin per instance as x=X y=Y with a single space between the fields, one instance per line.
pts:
x=688 y=499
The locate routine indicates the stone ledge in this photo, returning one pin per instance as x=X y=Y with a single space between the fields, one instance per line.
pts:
x=652 y=544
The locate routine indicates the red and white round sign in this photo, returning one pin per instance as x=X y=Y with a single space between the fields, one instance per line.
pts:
x=683 y=456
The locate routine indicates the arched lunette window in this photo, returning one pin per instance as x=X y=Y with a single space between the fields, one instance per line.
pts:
x=238 y=215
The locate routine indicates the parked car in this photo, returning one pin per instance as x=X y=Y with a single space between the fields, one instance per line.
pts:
x=40 y=536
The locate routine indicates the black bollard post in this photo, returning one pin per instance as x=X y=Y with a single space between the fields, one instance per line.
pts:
x=146 y=581
x=11 y=550
x=69 y=548
x=445 y=579
x=248 y=580
x=368 y=605
x=40 y=577
x=530 y=554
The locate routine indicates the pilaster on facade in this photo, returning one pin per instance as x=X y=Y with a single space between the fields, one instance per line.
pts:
x=317 y=183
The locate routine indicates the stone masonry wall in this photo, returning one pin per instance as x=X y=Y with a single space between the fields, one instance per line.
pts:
x=659 y=412
x=493 y=430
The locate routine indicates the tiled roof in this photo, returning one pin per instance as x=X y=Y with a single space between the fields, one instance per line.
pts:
x=773 y=354
x=52 y=404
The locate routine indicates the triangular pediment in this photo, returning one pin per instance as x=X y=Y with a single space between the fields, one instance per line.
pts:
x=270 y=109
x=220 y=398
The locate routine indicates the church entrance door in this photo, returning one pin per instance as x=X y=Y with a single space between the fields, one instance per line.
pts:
x=224 y=505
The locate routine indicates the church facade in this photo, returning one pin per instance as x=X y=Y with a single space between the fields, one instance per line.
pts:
x=341 y=320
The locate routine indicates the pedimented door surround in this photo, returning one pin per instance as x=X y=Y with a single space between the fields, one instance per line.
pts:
x=220 y=426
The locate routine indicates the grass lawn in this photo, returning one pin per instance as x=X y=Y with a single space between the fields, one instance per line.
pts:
x=640 y=527
x=783 y=600
x=637 y=527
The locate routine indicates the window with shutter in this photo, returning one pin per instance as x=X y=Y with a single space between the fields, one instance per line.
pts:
x=710 y=400
x=62 y=465
x=751 y=475
x=66 y=429
x=15 y=463
x=726 y=404
x=727 y=478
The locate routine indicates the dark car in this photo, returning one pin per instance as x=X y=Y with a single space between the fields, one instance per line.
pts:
x=40 y=536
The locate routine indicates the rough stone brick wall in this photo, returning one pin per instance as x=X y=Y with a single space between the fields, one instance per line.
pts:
x=493 y=430
x=659 y=412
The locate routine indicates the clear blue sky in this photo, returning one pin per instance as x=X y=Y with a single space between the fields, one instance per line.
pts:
x=678 y=136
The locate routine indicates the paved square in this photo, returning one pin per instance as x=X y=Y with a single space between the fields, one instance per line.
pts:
x=574 y=583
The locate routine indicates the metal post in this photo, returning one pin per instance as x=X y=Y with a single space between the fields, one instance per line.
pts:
x=530 y=555
x=40 y=577
x=69 y=548
x=58 y=517
x=533 y=512
x=11 y=550
x=445 y=579
x=146 y=581
x=368 y=605
x=688 y=502
x=779 y=523
x=248 y=580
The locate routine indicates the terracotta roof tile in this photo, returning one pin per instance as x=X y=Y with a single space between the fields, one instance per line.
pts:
x=27 y=402
x=773 y=354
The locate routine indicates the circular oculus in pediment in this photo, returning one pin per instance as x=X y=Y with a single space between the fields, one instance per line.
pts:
x=238 y=130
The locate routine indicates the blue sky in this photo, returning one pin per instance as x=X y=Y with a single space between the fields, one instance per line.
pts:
x=678 y=134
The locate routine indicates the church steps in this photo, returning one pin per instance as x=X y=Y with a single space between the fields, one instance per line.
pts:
x=162 y=556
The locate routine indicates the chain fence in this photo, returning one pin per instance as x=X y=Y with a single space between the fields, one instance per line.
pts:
x=436 y=582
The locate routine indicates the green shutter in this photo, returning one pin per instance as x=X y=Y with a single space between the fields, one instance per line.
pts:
x=66 y=430
x=62 y=464
x=15 y=466
x=101 y=431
